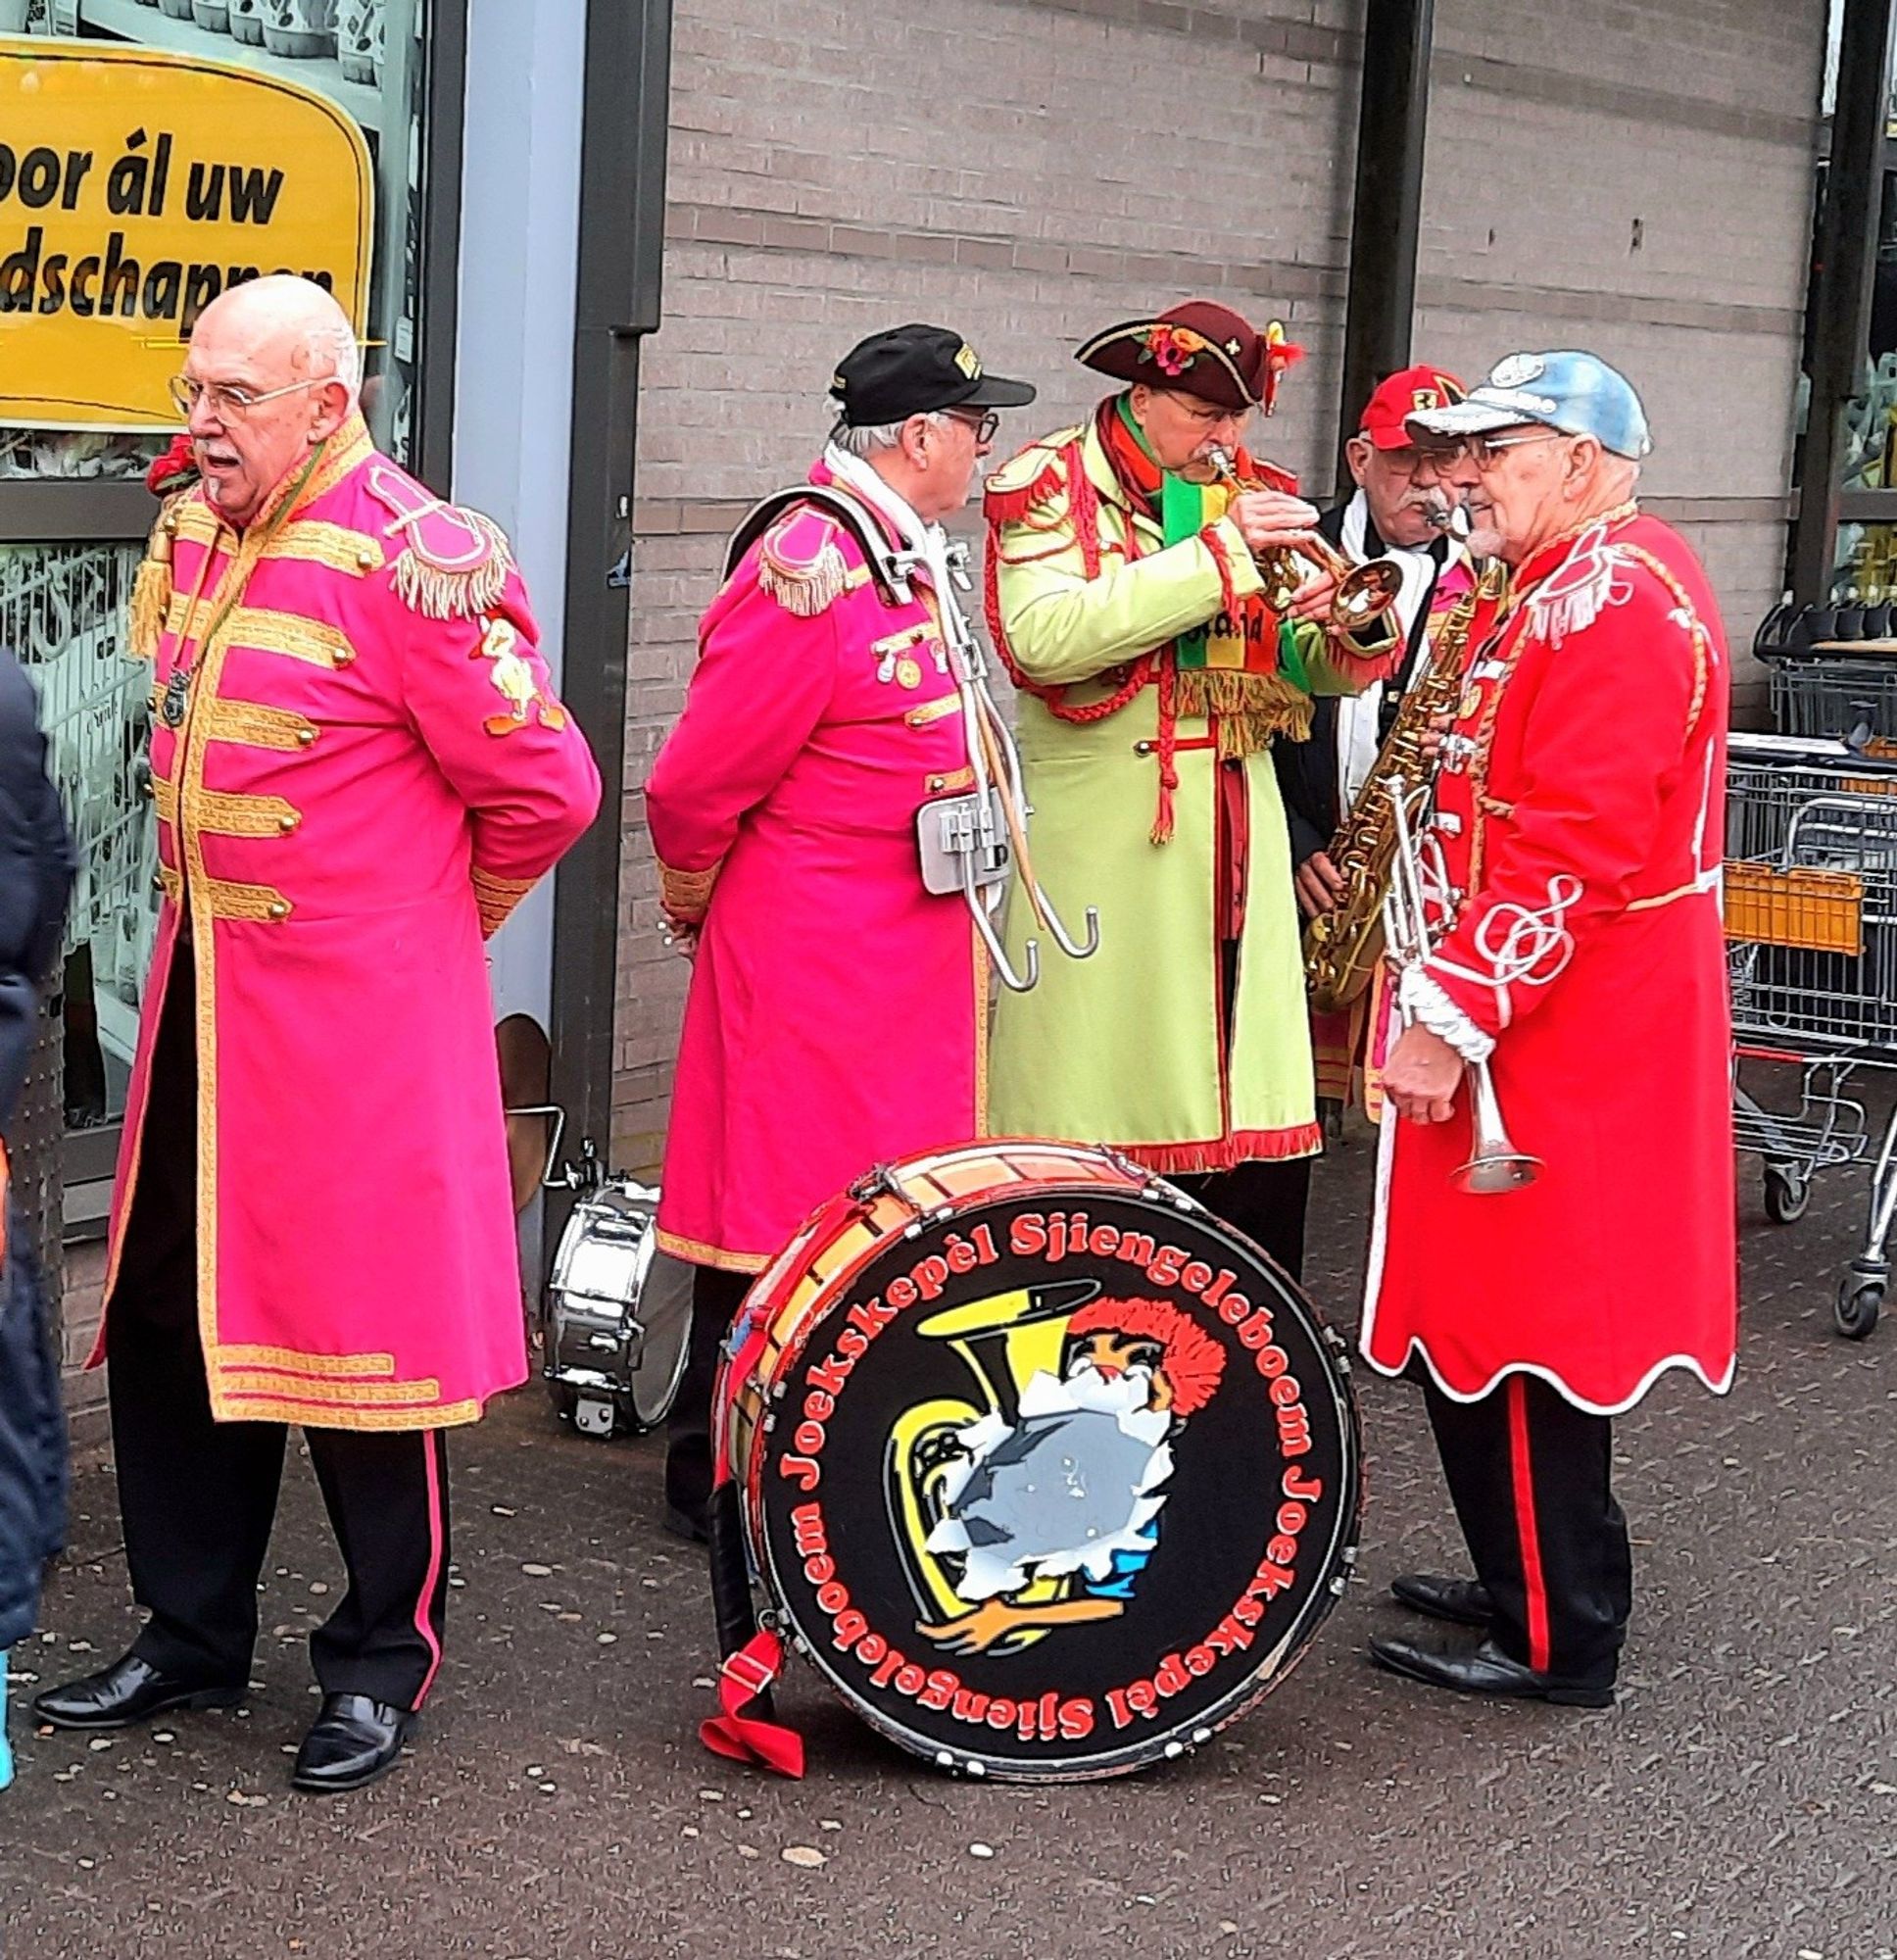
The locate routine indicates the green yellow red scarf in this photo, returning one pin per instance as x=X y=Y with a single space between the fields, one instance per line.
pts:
x=1243 y=666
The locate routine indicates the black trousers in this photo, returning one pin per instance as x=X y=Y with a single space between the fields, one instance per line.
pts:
x=717 y=1297
x=1266 y=1200
x=198 y=1498
x=1530 y=1475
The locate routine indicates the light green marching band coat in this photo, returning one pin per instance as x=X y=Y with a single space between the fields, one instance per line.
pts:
x=1126 y=1048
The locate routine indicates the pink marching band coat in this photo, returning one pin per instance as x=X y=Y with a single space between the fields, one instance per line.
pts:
x=371 y=771
x=1580 y=826
x=837 y=1011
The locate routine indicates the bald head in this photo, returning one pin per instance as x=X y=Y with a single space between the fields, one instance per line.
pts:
x=279 y=373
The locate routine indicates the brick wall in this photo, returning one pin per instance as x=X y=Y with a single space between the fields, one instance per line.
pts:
x=1629 y=174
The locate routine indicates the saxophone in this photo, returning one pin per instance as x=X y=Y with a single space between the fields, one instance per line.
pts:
x=1343 y=947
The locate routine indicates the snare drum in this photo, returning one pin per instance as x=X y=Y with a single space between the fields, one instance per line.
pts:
x=618 y=1317
x=1046 y=1470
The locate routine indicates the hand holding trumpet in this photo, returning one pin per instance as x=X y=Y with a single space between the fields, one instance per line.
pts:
x=1271 y=520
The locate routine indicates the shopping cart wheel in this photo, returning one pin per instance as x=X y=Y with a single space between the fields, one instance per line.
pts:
x=1788 y=1191
x=1859 y=1303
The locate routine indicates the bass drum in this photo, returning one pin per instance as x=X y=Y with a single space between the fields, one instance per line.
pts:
x=616 y=1325
x=1047 y=1471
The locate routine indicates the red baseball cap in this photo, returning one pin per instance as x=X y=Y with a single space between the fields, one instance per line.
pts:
x=1407 y=391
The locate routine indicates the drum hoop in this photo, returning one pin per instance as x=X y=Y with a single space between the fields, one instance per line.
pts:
x=1245 y=1693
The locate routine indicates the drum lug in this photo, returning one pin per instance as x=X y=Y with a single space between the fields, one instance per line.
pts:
x=593 y=1415
x=1338 y=1585
x=1350 y=1555
x=879 y=1183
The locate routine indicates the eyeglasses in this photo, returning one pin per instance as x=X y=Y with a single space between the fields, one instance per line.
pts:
x=1486 y=451
x=986 y=426
x=227 y=401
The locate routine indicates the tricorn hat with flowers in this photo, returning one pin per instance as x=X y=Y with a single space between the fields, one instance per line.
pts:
x=1200 y=348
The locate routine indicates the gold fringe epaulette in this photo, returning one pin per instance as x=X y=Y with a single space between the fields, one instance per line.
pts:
x=454 y=563
x=801 y=565
x=450 y=592
x=151 y=588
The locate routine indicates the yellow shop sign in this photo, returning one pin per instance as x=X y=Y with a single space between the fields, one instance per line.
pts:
x=135 y=186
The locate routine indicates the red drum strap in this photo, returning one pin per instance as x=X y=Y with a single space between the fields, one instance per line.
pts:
x=744 y=1739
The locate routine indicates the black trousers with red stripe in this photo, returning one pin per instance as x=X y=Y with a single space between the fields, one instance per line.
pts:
x=1531 y=1478
x=198 y=1498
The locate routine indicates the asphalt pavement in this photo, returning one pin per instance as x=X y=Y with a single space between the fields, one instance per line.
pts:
x=1740 y=1799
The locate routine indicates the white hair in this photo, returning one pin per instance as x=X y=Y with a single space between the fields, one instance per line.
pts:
x=865 y=440
x=330 y=348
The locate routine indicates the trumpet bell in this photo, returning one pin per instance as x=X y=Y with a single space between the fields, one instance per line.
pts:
x=1365 y=594
x=1491 y=1172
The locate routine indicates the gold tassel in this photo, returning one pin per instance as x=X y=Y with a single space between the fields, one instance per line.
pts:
x=805 y=590
x=150 y=589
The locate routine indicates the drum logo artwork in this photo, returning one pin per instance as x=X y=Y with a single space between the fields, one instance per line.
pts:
x=1061 y=1490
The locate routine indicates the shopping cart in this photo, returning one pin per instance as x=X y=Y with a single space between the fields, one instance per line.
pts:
x=1851 y=698
x=1810 y=924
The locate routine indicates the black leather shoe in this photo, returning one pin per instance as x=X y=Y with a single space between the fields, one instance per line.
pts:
x=351 y=1742
x=1486 y=1670
x=127 y=1691
x=1466 y=1601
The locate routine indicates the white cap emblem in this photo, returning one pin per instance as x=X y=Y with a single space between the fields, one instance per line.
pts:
x=1516 y=370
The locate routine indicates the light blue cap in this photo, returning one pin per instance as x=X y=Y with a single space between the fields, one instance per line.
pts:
x=1576 y=393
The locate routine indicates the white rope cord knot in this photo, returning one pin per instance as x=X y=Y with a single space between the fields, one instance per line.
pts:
x=1525 y=946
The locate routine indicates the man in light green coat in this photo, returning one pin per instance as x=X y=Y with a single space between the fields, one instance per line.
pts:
x=1125 y=595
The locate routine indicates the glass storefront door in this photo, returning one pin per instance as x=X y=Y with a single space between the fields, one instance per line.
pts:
x=66 y=566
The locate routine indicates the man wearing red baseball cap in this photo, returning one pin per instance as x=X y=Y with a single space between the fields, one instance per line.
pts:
x=1401 y=513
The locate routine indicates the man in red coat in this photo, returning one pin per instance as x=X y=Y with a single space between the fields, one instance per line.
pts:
x=1570 y=872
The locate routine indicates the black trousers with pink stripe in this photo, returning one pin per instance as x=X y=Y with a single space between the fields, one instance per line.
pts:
x=198 y=1498
x=1531 y=1477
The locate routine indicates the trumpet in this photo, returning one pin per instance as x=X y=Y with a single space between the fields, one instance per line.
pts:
x=1495 y=1165
x=1365 y=592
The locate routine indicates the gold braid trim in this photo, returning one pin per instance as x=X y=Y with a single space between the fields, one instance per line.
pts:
x=311 y=541
x=350 y=1393
x=258 y=1406
x=222 y=813
x=260 y=904
x=195 y=521
x=933 y=711
x=256 y=726
x=687 y=895
x=497 y=898
x=292 y=1361
x=314 y=641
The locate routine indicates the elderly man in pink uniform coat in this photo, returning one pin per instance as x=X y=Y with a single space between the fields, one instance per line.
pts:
x=358 y=768
x=837 y=1013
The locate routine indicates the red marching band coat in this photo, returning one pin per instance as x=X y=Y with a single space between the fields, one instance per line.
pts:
x=1575 y=856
